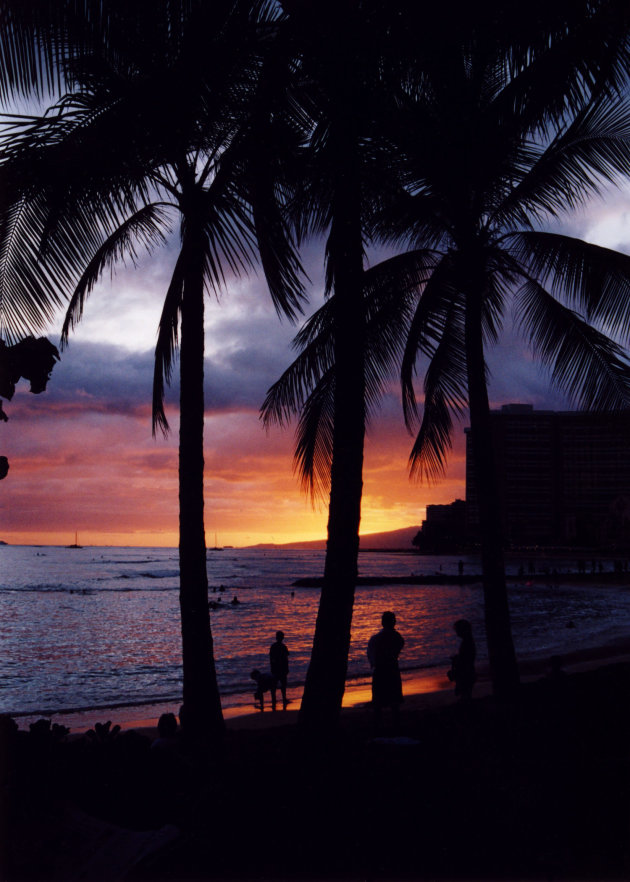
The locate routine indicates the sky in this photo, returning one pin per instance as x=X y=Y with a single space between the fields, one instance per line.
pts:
x=82 y=456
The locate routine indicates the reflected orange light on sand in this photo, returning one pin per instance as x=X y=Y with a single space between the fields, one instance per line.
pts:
x=413 y=684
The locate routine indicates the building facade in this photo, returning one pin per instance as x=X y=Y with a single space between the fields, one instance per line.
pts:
x=564 y=477
x=444 y=528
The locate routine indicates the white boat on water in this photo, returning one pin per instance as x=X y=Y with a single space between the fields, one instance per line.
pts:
x=216 y=546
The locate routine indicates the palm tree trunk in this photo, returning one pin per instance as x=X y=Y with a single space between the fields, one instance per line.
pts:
x=202 y=704
x=326 y=676
x=501 y=655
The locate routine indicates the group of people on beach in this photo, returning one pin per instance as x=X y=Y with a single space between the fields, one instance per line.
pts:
x=383 y=650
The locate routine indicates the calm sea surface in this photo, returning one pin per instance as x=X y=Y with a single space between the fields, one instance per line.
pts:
x=96 y=627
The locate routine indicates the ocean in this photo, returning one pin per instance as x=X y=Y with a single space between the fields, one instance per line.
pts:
x=94 y=628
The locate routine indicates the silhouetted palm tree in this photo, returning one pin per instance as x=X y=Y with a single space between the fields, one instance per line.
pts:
x=493 y=145
x=109 y=169
x=484 y=180
x=338 y=51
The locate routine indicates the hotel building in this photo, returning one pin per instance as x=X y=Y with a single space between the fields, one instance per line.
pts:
x=564 y=477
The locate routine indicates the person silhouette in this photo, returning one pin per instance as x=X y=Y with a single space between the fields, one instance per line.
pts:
x=279 y=662
x=383 y=650
x=264 y=683
x=462 y=671
x=167 y=739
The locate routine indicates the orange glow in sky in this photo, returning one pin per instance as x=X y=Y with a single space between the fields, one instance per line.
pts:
x=82 y=457
x=104 y=476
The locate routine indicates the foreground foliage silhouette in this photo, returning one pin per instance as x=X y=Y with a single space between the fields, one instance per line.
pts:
x=560 y=754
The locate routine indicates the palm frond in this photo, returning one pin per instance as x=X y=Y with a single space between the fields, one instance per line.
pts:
x=31 y=42
x=144 y=228
x=56 y=215
x=589 y=367
x=562 y=56
x=594 y=150
x=398 y=278
x=307 y=386
x=30 y=292
x=320 y=323
x=167 y=342
x=230 y=243
x=392 y=288
x=501 y=275
x=416 y=217
x=593 y=279
x=387 y=324
x=314 y=438
x=437 y=302
x=445 y=392
x=264 y=160
x=276 y=245
x=389 y=289
x=287 y=396
x=427 y=460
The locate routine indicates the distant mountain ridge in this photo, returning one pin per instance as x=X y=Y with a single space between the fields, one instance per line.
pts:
x=392 y=540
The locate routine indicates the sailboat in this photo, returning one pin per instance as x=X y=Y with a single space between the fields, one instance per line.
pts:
x=216 y=547
x=76 y=541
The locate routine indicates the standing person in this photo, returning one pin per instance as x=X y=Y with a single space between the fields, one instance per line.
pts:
x=279 y=661
x=383 y=650
x=462 y=671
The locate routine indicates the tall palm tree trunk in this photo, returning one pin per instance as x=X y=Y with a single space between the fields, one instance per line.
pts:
x=326 y=676
x=501 y=655
x=202 y=705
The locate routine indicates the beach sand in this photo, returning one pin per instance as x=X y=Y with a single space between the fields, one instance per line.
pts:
x=535 y=788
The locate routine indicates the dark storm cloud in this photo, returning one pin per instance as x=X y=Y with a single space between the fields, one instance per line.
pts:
x=96 y=377
x=99 y=377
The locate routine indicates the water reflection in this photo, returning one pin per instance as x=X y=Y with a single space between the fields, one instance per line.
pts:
x=66 y=648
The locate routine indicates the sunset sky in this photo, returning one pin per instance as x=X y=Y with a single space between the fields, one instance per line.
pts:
x=82 y=456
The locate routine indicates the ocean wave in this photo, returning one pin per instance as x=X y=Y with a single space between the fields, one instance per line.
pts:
x=48 y=711
x=79 y=591
x=46 y=588
x=128 y=561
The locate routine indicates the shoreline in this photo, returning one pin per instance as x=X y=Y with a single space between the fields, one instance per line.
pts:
x=422 y=688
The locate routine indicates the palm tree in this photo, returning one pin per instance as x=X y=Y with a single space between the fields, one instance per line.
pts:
x=491 y=149
x=483 y=184
x=106 y=171
x=338 y=49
